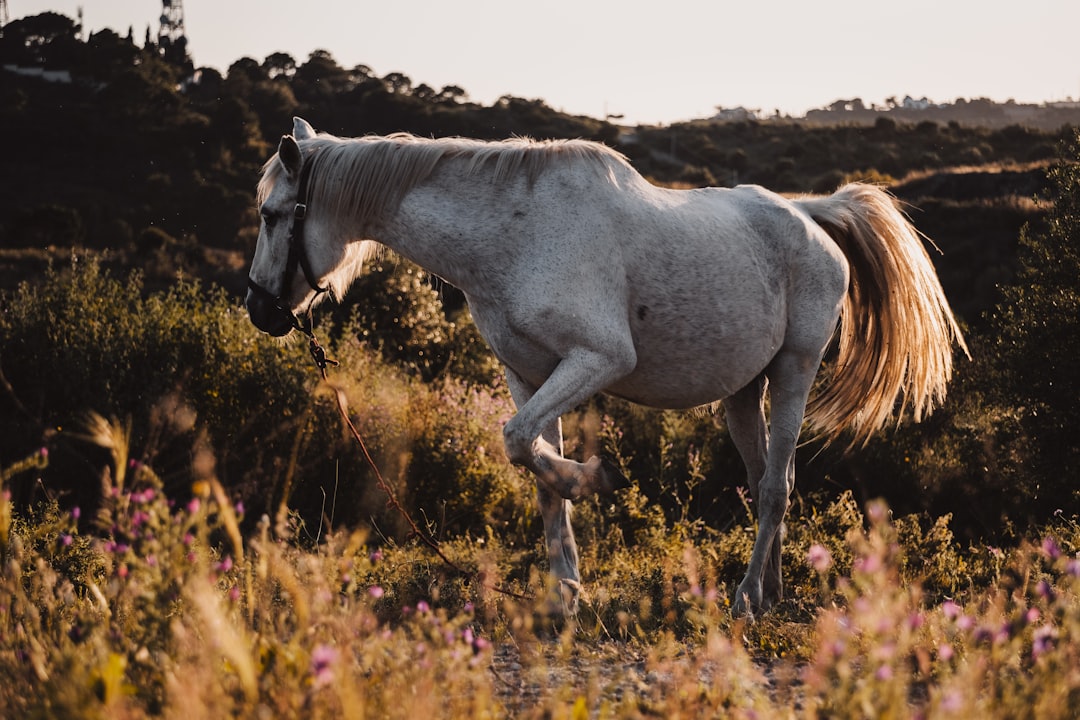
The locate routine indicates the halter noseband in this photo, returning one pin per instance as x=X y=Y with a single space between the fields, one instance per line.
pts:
x=297 y=256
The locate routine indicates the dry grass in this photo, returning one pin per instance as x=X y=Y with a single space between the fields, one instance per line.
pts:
x=159 y=610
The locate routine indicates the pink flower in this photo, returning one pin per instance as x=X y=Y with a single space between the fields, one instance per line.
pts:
x=950 y=609
x=375 y=591
x=323 y=660
x=952 y=701
x=818 y=557
x=945 y=652
x=869 y=564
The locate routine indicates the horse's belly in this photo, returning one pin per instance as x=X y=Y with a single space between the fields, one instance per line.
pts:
x=703 y=369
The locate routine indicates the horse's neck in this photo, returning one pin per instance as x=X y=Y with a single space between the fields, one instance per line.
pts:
x=454 y=227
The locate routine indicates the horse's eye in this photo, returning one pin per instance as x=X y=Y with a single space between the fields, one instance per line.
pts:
x=269 y=219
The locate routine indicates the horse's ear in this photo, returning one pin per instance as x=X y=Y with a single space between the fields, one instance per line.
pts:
x=302 y=130
x=290 y=156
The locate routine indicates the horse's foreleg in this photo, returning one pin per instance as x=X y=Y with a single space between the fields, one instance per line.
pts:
x=577 y=378
x=555 y=512
x=790 y=377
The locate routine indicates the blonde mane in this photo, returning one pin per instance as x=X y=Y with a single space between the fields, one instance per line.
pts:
x=366 y=178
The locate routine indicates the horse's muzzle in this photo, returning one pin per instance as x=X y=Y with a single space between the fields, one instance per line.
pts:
x=267 y=315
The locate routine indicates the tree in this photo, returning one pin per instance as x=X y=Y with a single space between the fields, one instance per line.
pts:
x=398 y=83
x=1038 y=335
x=279 y=64
x=36 y=40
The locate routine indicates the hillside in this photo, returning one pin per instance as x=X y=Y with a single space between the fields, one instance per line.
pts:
x=120 y=153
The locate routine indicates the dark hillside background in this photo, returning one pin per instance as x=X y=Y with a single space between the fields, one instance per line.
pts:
x=111 y=148
x=112 y=152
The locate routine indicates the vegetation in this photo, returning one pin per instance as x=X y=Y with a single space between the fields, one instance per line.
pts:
x=185 y=528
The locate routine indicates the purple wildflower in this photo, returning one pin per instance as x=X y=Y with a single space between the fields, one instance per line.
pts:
x=375 y=591
x=1045 y=590
x=1050 y=548
x=1043 y=640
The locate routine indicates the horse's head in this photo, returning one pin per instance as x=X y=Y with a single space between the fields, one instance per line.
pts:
x=283 y=278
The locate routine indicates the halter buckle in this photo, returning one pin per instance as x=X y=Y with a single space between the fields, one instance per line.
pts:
x=300 y=211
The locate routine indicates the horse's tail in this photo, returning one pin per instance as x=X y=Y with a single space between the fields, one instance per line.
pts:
x=897 y=331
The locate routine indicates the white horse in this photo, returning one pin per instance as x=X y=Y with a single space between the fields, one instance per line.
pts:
x=585 y=278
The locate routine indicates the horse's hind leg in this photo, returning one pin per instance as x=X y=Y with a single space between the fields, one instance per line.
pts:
x=745 y=413
x=791 y=374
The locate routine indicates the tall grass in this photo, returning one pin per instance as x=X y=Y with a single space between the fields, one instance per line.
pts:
x=155 y=608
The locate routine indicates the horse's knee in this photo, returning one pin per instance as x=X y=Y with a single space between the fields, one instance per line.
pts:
x=773 y=503
x=518 y=444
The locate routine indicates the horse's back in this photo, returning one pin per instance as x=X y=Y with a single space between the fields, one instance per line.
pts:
x=712 y=279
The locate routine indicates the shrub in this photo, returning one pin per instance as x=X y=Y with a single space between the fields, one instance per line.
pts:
x=188 y=374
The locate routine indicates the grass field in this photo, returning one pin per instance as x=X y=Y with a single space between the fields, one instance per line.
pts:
x=166 y=609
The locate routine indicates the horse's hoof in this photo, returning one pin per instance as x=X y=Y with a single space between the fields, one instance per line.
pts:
x=569 y=595
x=613 y=479
x=748 y=600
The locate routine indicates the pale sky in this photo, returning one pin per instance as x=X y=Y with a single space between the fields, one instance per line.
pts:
x=654 y=62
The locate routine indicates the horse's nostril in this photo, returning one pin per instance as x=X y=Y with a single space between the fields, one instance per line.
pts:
x=267 y=316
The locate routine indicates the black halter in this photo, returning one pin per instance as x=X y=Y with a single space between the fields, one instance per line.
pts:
x=297 y=257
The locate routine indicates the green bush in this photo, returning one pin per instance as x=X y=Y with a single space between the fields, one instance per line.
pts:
x=190 y=376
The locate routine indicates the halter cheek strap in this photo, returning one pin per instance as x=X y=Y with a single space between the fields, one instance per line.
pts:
x=297 y=257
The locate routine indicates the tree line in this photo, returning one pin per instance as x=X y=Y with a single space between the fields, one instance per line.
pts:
x=151 y=163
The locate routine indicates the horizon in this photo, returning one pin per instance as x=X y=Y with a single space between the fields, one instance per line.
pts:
x=590 y=66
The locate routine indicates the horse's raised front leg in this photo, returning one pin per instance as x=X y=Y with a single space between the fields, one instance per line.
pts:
x=745 y=413
x=555 y=512
x=577 y=377
x=534 y=440
x=790 y=377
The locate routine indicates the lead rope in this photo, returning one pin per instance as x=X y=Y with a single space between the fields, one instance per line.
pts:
x=318 y=354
